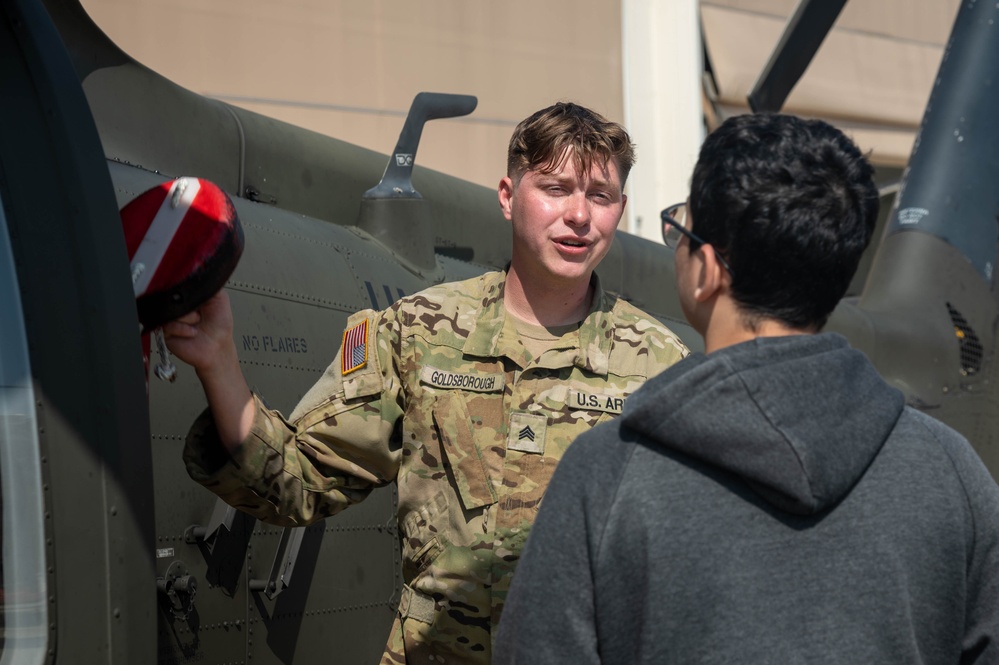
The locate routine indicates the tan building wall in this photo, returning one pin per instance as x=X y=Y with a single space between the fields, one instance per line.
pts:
x=872 y=75
x=350 y=69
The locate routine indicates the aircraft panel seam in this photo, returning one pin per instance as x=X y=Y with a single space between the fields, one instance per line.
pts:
x=295 y=236
x=256 y=363
x=247 y=287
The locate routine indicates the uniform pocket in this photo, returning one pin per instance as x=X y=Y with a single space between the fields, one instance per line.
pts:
x=454 y=426
x=423 y=536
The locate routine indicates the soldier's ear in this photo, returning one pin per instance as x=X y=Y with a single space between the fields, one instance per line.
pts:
x=505 y=194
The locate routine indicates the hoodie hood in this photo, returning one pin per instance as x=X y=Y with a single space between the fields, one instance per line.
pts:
x=799 y=418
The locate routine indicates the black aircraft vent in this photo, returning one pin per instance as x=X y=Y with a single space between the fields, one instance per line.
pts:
x=971 y=346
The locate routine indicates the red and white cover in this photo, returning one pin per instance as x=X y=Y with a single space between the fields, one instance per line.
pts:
x=184 y=240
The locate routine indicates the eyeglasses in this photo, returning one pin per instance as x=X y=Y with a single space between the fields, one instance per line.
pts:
x=675 y=220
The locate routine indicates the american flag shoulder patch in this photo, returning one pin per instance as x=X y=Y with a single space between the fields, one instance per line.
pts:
x=354 y=354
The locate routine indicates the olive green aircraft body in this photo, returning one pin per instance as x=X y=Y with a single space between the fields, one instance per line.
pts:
x=111 y=554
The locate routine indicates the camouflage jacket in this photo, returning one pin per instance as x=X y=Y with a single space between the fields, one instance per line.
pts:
x=432 y=394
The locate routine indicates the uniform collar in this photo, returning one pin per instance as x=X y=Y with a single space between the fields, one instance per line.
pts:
x=595 y=334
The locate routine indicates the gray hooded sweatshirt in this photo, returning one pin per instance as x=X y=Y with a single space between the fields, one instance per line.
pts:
x=773 y=502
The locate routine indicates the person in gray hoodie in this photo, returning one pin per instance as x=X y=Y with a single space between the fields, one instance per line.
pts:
x=772 y=500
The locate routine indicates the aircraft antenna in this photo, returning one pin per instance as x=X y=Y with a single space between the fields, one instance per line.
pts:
x=393 y=212
x=397 y=181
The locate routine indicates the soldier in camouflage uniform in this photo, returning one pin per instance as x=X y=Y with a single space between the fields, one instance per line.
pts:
x=466 y=395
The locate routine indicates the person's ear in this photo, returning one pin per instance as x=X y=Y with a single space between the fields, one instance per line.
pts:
x=505 y=194
x=713 y=277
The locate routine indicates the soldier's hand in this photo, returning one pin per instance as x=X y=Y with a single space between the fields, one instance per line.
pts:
x=203 y=338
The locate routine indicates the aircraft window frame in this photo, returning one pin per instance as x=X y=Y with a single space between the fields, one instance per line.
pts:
x=24 y=625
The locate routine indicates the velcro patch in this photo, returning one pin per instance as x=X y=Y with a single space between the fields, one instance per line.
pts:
x=478 y=382
x=417 y=605
x=595 y=401
x=354 y=353
x=527 y=432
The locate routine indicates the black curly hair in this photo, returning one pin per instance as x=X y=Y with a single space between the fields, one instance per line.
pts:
x=791 y=204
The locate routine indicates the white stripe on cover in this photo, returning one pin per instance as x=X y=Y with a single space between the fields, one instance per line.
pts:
x=161 y=232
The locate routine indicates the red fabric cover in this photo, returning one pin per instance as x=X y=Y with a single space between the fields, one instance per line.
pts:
x=184 y=240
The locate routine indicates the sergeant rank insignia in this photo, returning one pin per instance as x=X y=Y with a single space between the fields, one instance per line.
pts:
x=527 y=432
x=354 y=355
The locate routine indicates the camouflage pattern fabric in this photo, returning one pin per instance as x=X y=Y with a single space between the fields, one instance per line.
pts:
x=437 y=398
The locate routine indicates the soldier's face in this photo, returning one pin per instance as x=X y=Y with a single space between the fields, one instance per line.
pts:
x=563 y=221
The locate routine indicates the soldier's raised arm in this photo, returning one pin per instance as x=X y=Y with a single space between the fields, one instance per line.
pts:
x=203 y=339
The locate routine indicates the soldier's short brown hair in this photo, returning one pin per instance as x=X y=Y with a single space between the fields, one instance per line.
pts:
x=539 y=141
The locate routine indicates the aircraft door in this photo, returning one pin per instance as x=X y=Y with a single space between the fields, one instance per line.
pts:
x=75 y=425
x=23 y=586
